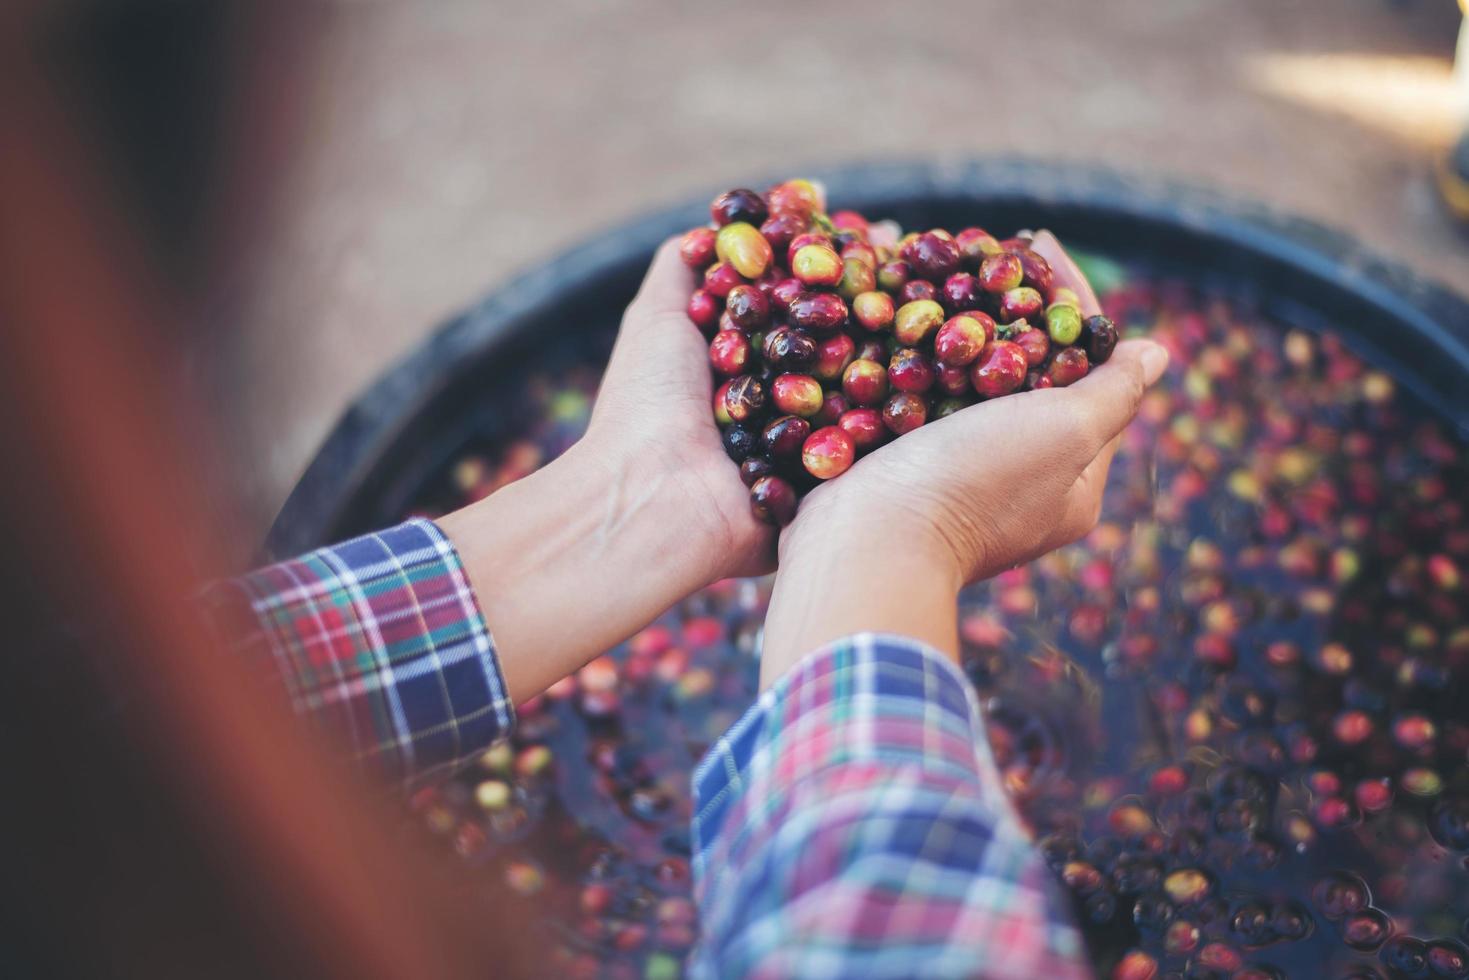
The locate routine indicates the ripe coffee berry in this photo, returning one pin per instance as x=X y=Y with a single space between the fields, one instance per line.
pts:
x=828 y=452
x=904 y=412
x=827 y=339
x=747 y=307
x=961 y=338
x=738 y=205
x=783 y=438
x=999 y=370
x=865 y=426
x=865 y=382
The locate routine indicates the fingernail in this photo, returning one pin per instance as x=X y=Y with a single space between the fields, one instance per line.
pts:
x=1155 y=360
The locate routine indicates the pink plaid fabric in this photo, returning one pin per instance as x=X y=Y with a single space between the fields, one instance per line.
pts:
x=852 y=824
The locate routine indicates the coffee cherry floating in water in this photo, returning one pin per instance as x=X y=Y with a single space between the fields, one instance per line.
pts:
x=917 y=329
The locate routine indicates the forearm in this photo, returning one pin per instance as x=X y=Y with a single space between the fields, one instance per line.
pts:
x=575 y=558
x=828 y=589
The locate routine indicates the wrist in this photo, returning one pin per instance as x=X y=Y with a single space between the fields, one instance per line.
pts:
x=573 y=559
x=836 y=579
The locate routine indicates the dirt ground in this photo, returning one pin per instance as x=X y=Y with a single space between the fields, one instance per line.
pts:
x=448 y=144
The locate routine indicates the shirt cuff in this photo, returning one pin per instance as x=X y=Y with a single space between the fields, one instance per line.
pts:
x=381 y=639
x=868 y=698
x=853 y=823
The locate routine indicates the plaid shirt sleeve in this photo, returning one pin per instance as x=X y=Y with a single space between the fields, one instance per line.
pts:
x=852 y=823
x=379 y=638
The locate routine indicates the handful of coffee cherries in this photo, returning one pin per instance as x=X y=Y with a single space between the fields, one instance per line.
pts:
x=830 y=335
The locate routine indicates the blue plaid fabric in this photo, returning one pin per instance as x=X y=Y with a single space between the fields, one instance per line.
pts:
x=381 y=639
x=853 y=824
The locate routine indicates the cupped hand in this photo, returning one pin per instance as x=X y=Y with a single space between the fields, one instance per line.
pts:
x=654 y=416
x=886 y=546
x=1001 y=482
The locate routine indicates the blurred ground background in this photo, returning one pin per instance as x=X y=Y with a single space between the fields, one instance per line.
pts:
x=445 y=145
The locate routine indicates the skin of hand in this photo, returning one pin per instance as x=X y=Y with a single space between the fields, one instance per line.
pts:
x=887 y=546
x=645 y=509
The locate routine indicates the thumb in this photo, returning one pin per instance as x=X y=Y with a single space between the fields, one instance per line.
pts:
x=1106 y=400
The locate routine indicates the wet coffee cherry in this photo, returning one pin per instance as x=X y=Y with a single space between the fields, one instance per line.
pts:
x=799 y=198
x=1098 y=338
x=828 y=453
x=917 y=321
x=873 y=311
x=807 y=238
x=704 y=309
x=864 y=253
x=1037 y=271
x=817 y=265
x=796 y=394
x=833 y=354
x=1067 y=367
x=1063 y=323
x=834 y=405
x=1135 y=965
x=865 y=426
x=1181 y=938
x=1035 y=343
x=1250 y=924
x=696 y=248
x=1021 y=303
x=738 y=205
x=933 y=255
x=999 y=370
x=784 y=292
x=961 y=292
x=1187 y=886
x=1001 y=273
x=780 y=230
x=729 y=352
x=753 y=468
x=1339 y=894
x=721 y=403
x=875 y=349
x=818 y=312
x=741 y=245
x=784 y=437
x=790 y=350
x=720 y=278
x=1405 y=956
x=960 y=340
x=857 y=278
x=903 y=412
x=974 y=244
x=916 y=289
x=893 y=276
x=747 y=307
x=865 y=382
x=773 y=500
x=1152 y=910
x=739 y=442
x=1448 y=958
x=908 y=370
x=744 y=399
x=1366 y=929
x=952 y=381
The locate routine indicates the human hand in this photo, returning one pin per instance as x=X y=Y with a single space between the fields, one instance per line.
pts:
x=653 y=419
x=645 y=509
x=887 y=545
